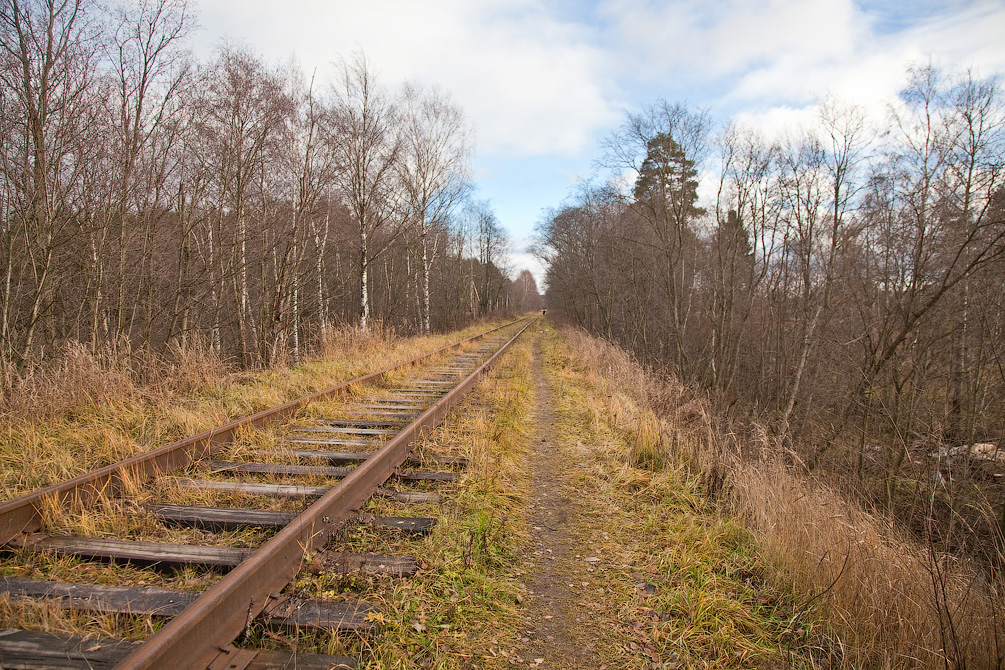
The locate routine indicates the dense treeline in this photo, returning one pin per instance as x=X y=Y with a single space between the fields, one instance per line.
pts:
x=149 y=199
x=846 y=283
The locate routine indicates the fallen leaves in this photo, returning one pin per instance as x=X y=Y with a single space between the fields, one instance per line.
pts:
x=645 y=589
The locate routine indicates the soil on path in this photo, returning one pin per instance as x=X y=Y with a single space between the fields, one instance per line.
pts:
x=558 y=631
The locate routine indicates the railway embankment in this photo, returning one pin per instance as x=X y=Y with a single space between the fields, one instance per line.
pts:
x=586 y=514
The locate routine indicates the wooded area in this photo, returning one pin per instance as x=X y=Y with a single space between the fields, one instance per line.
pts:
x=844 y=288
x=149 y=200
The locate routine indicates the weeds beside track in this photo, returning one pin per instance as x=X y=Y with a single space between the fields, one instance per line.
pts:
x=195 y=634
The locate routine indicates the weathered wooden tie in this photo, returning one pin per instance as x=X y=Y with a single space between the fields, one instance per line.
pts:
x=160 y=554
x=165 y=555
x=362 y=423
x=408 y=497
x=343 y=431
x=332 y=441
x=372 y=564
x=253 y=488
x=320 y=471
x=288 y=491
x=50 y=651
x=364 y=412
x=406 y=524
x=232 y=518
x=287 y=613
x=390 y=405
x=353 y=456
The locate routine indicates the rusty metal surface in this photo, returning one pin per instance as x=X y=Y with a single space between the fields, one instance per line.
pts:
x=21 y=514
x=194 y=638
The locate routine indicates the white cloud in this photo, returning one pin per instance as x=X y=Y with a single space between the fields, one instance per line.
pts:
x=757 y=53
x=694 y=40
x=778 y=123
x=972 y=37
x=521 y=258
x=533 y=84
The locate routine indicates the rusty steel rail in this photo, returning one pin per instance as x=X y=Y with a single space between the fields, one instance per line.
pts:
x=22 y=514
x=202 y=633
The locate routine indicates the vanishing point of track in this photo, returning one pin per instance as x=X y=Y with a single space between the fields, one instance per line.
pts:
x=203 y=627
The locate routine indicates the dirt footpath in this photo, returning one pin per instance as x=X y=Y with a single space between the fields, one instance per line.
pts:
x=557 y=635
x=625 y=567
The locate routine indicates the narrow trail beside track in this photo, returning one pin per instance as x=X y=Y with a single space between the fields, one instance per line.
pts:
x=558 y=633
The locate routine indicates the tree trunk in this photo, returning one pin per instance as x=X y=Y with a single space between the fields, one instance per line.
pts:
x=800 y=368
x=426 y=262
x=364 y=295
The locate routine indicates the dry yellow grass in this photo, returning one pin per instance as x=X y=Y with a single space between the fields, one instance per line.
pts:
x=643 y=511
x=88 y=411
x=131 y=416
x=892 y=602
x=453 y=612
x=898 y=603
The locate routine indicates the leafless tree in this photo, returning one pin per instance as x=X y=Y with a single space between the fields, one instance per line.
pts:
x=245 y=110
x=148 y=64
x=368 y=144
x=663 y=147
x=847 y=288
x=49 y=52
x=433 y=169
x=147 y=200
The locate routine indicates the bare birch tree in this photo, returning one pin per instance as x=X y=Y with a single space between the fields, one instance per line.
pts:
x=246 y=108
x=367 y=145
x=48 y=52
x=433 y=169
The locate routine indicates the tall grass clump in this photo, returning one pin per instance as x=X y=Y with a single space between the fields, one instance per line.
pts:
x=334 y=340
x=78 y=377
x=899 y=603
x=891 y=600
x=679 y=426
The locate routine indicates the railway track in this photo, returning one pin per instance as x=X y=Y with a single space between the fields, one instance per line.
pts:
x=254 y=512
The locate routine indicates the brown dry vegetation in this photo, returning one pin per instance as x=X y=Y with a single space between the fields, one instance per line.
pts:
x=463 y=608
x=890 y=600
x=84 y=411
x=99 y=403
x=650 y=573
x=887 y=600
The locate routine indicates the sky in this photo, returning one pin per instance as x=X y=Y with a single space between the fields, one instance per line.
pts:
x=544 y=81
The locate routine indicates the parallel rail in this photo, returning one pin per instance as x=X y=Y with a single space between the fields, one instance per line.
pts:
x=201 y=635
x=23 y=514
